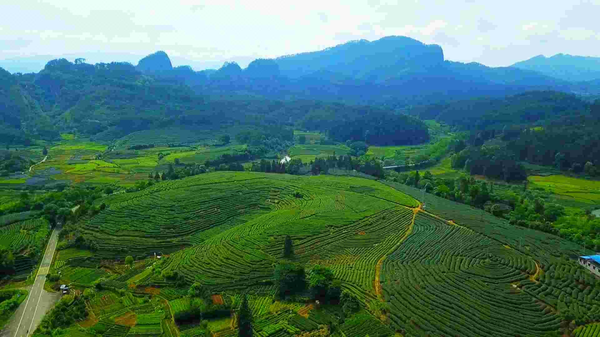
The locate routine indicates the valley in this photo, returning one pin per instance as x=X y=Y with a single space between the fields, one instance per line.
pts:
x=371 y=188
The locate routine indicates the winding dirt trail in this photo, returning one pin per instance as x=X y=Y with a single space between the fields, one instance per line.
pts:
x=535 y=276
x=377 y=282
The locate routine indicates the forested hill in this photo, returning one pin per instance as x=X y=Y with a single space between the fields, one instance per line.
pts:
x=109 y=101
x=545 y=128
x=564 y=66
x=535 y=108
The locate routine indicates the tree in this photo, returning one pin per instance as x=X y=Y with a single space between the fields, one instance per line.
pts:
x=196 y=290
x=245 y=318
x=7 y=260
x=50 y=211
x=45 y=151
x=129 y=260
x=350 y=303
x=559 y=161
x=290 y=278
x=442 y=190
x=553 y=211
x=589 y=169
x=225 y=139
x=319 y=280
x=358 y=149
x=538 y=206
x=288 y=249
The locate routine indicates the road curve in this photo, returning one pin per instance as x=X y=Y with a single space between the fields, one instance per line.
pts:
x=34 y=311
x=43 y=160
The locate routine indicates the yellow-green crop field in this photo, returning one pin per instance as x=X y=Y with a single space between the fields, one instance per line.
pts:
x=390 y=151
x=311 y=137
x=582 y=190
x=203 y=154
x=308 y=153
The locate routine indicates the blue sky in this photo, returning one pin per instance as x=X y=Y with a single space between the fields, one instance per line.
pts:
x=207 y=33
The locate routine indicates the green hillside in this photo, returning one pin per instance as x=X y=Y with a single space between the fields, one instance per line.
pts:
x=413 y=266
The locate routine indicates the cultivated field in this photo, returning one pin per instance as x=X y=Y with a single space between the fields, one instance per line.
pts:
x=418 y=266
x=569 y=188
x=448 y=269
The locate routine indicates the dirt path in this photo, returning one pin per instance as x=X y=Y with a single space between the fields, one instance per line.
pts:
x=377 y=282
x=416 y=210
x=30 y=313
x=535 y=276
x=43 y=160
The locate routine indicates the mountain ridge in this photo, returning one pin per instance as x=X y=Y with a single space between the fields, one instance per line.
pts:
x=564 y=66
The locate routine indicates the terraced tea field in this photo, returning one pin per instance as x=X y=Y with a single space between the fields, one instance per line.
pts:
x=419 y=268
x=176 y=214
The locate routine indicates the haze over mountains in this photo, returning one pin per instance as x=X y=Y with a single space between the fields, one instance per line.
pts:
x=396 y=71
x=564 y=66
x=111 y=100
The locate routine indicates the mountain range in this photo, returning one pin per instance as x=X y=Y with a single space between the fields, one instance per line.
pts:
x=111 y=100
x=564 y=66
x=394 y=71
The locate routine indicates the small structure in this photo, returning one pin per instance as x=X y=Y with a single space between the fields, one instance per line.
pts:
x=64 y=288
x=285 y=160
x=592 y=263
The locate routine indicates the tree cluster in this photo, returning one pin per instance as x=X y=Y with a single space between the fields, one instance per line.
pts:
x=69 y=309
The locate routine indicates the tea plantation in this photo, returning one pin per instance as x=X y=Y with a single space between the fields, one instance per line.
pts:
x=430 y=267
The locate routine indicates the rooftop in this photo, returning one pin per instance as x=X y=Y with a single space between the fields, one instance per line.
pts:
x=595 y=258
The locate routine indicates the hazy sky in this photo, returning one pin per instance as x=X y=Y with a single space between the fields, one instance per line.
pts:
x=495 y=33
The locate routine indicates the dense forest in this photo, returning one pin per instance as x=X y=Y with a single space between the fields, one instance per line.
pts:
x=109 y=101
x=540 y=127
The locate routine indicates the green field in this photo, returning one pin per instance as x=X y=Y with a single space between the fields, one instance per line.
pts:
x=308 y=153
x=411 y=269
x=390 y=151
x=569 y=188
x=79 y=161
x=311 y=137
x=203 y=154
x=176 y=214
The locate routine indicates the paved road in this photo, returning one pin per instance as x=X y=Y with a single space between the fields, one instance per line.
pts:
x=30 y=313
x=43 y=160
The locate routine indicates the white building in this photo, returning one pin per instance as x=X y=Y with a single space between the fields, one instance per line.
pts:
x=285 y=160
x=592 y=263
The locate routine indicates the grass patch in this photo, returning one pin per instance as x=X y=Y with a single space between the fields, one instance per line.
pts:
x=67 y=136
x=577 y=189
x=70 y=253
x=308 y=153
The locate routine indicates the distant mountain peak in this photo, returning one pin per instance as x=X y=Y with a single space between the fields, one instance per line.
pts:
x=158 y=61
x=362 y=59
x=564 y=66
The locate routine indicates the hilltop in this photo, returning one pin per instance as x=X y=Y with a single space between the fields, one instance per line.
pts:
x=564 y=66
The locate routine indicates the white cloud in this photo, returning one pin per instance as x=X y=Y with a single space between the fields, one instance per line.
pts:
x=224 y=29
x=530 y=26
x=432 y=27
x=49 y=34
x=577 y=33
